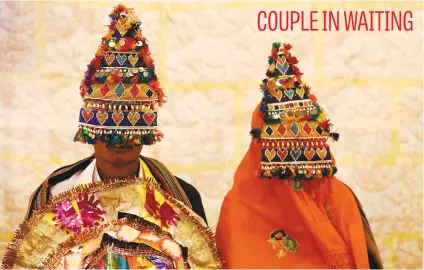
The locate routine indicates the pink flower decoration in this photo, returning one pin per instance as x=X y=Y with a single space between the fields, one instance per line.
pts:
x=90 y=213
x=68 y=219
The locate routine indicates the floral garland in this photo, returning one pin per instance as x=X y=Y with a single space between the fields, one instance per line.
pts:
x=78 y=193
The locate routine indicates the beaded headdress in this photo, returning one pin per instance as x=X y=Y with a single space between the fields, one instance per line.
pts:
x=120 y=89
x=295 y=129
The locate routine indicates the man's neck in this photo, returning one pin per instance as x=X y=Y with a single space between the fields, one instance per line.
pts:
x=111 y=171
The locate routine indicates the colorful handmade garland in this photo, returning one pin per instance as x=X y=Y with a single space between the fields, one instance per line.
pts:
x=74 y=218
x=120 y=80
x=295 y=127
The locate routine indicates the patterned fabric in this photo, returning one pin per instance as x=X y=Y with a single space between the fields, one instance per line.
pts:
x=158 y=170
x=115 y=120
x=295 y=128
x=42 y=193
x=77 y=228
x=120 y=89
x=164 y=176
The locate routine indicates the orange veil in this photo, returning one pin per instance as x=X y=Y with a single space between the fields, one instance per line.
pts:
x=266 y=223
x=255 y=207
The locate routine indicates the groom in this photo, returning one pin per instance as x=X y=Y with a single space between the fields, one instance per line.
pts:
x=121 y=94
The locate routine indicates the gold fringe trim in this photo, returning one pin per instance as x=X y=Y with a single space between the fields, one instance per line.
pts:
x=141 y=224
x=206 y=232
x=103 y=186
x=145 y=251
x=94 y=257
x=52 y=259
x=25 y=227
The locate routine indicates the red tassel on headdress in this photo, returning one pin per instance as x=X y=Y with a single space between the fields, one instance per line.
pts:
x=118 y=9
x=84 y=90
x=307 y=117
x=148 y=60
x=274 y=53
x=297 y=72
x=325 y=125
x=116 y=78
x=129 y=42
x=292 y=59
x=100 y=52
x=144 y=50
x=312 y=98
x=95 y=63
x=156 y=87
x=287 y=46
x=134 y=80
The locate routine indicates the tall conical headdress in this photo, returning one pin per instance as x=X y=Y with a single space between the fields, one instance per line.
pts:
x=295 y=129
x=120 y=89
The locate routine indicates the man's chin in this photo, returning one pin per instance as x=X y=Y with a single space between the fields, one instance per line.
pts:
x=119 y=160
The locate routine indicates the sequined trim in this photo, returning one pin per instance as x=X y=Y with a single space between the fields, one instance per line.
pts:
x=15 y=245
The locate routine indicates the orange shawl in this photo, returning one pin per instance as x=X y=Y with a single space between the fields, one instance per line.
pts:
x=267 y=224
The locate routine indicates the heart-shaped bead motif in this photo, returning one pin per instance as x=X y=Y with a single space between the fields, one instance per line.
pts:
x=295 y=154
x=117 y=117
x=101 y=117
x=133 y=117
x=121 y=28
x=110 y=57
x=121 y=58
x=309 y=153
x=300 y=92
x=149 y=117
x=282 y=154
x=133 y=59
x=87 y=115
x=278 y=94
x=322 y=153
x=270 y=154
x=289 y=93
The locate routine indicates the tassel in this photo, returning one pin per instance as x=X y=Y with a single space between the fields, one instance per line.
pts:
x=256 y=133
x=276 y=45
x=335 y=136
x=270 y=60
